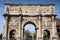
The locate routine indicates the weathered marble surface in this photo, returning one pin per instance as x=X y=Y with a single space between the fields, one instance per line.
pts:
x=40 y=15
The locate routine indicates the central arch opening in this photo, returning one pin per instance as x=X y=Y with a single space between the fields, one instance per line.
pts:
x=29 y=32
x=30 y=27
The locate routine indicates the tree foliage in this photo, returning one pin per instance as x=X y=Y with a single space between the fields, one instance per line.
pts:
x=1 y=36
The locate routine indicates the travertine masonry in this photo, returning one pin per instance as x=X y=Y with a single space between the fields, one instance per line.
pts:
x=42 y=16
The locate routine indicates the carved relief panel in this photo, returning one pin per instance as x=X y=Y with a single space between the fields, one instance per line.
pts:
x=44 y=9
x=13 y=9
x=13 y=22
x=46 y=22
x=31 y=18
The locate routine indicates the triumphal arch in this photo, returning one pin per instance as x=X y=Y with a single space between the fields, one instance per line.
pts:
x=42 y=16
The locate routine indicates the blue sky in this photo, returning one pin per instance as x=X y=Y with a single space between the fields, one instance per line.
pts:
x=30 y=27
x=57 y=7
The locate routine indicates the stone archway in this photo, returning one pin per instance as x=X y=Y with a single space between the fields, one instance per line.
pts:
x=30 y=37
x=35 y=14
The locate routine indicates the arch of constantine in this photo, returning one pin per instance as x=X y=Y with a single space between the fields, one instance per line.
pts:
x=42 y=16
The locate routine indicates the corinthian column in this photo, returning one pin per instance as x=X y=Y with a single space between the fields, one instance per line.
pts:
x=53 y=27
x=5 y=35
x=21 y=28
x=39 y=35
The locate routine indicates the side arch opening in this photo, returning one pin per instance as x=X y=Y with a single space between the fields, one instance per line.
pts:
x=58 y=30
x=46 y=35
x=12 y=34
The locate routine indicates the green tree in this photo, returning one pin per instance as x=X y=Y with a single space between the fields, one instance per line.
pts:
x=1 y=36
